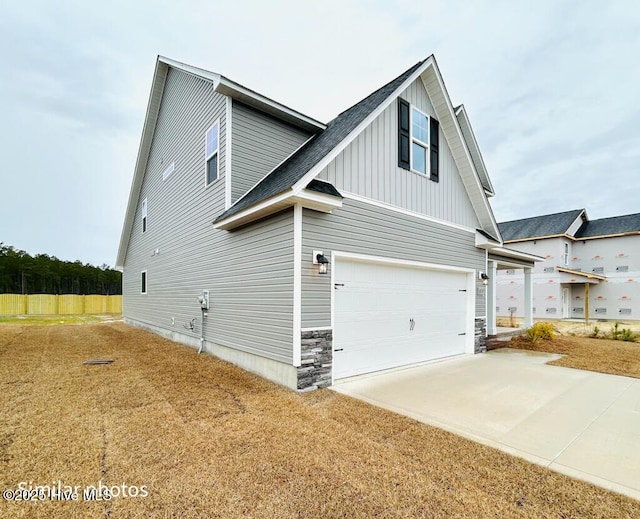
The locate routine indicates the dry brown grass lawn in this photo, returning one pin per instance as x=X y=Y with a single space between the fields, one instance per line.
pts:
x=210 y=440
x=603 y=355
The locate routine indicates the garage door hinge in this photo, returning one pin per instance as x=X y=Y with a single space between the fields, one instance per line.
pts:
x=462 y=290
x=463 y=333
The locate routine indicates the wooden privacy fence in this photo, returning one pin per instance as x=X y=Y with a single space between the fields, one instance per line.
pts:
x=46 y=304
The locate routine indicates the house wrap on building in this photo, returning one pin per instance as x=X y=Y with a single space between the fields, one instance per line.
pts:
x=309 y=252
x=591 y=268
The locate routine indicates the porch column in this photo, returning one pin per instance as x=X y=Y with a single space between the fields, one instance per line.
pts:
x=528 y=298
x=492 y=329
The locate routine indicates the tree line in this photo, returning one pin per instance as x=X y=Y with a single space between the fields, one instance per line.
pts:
x=21 y=273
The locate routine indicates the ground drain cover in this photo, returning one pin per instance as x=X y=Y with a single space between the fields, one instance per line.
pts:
x=97 y=362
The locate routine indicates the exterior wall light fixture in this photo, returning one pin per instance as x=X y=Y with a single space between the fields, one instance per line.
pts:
x=320 y=260
x=484 y=277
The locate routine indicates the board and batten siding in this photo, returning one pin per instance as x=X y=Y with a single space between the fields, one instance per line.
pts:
x=251 y=301
x=361 y=228
x=369 y=167
x=259 y=143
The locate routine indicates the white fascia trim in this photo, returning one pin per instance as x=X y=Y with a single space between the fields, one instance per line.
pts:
x=301 y=184
x=400 y=262
x=252 y=209
x=463 y=112
x=510 y=253
x=465 y=147
x=190 y=69
x=148 y=130
x=401 y=210
x=297 y=284
x=227 y=155
x=310 y=199
x=226 y=84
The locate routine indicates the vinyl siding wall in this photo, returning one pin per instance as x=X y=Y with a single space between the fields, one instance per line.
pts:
x=366 y=229
x=259 y=143
x=251 y=302
x=369 y=167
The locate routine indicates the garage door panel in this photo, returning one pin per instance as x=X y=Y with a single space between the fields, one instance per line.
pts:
x=387 y=316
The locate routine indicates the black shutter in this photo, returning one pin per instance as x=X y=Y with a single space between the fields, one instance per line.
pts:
x=404 y=140
x=435 y=139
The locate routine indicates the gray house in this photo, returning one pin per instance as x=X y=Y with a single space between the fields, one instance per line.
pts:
x=591 y=268
x=310 y=252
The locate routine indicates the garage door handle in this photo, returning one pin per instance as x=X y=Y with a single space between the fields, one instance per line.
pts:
x=339 y=349
x=462 y=333
x=336 y=285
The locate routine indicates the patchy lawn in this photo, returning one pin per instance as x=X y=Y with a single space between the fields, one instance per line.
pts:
x=603 y=355
x=207 y=439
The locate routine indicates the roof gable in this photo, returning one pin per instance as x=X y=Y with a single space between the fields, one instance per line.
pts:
x=556 y=224
x=317 y=148
x=614 y=226
x=299 y=169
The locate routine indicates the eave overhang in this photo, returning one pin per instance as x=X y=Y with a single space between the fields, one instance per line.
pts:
x=306 y=198
x=577 y=276
x=515 y=254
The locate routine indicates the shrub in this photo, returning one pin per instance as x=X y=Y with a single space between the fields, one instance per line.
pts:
x=622 y=334
x=596 y=332
x=540 y=331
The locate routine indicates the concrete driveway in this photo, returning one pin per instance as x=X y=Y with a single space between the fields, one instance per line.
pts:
x=580 y=423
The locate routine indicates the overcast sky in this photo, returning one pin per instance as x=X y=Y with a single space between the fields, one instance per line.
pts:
x=552 y=89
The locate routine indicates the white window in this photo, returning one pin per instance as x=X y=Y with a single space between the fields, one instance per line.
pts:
x=566 y=254
x=143 y=282
x=170 y=169
x=419 y=140
x=144 y=215
x=211 y=154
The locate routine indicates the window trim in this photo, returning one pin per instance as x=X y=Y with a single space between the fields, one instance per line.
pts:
x=144 y=282
x=145 y=212
x=208 y=156
x=425 y=145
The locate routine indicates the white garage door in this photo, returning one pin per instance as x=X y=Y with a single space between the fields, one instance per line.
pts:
x=388 y=316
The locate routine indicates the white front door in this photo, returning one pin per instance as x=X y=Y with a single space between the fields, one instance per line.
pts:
x=566 y=303
x=388 y=316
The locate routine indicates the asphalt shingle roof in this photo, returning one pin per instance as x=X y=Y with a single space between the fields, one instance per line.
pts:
x=538 y=226
x=311 y=153
x=615 y=225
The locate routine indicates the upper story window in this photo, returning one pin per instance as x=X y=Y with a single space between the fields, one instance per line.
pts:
x=418 y=141
x=566 y=254
x=212 y=152
x=144 y=215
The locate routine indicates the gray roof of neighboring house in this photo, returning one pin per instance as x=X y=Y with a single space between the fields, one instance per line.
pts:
x=629 y=223
x=538 y=226
x=313 y=151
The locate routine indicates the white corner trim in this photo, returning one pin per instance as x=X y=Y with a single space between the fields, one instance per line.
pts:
x=301 y=184
x=402 y=210
x=227 y=154
x=297 y=284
